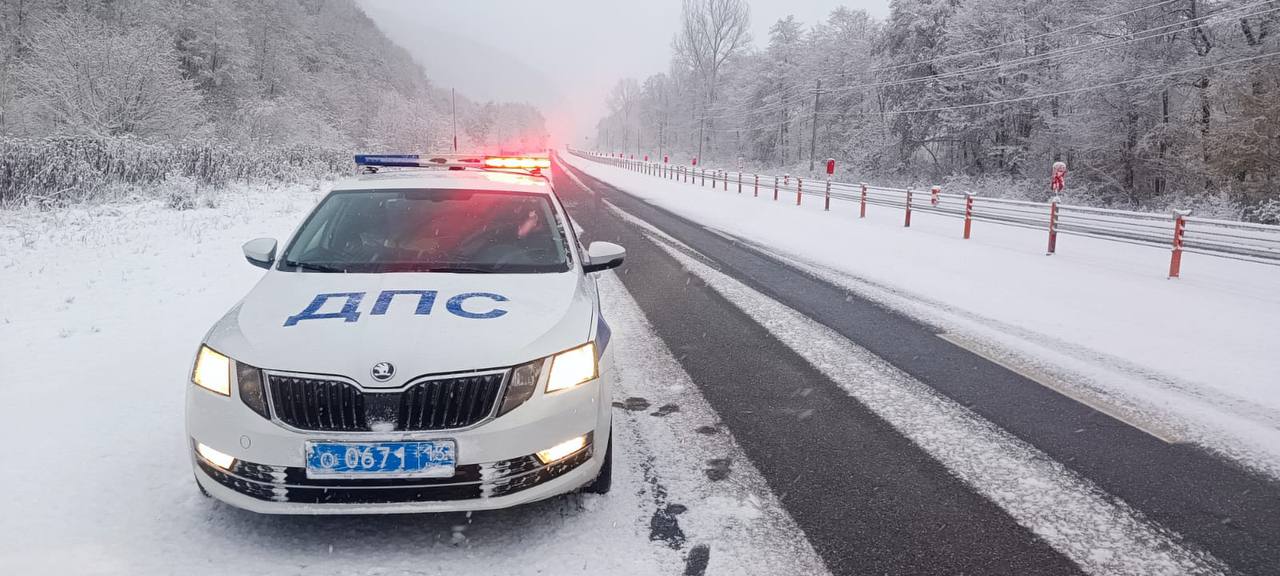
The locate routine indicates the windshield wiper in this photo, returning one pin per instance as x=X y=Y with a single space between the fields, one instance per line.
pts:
x=314 y=267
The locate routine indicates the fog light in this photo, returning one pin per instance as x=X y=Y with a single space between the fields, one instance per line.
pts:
x=559 y=451
x=223 y=461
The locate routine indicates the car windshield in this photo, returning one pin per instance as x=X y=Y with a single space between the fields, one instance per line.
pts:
x=464 y=231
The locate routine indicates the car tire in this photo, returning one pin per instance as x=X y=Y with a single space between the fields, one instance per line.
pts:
x=604 y=480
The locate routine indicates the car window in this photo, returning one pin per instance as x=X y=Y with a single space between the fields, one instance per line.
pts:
x=426 y=230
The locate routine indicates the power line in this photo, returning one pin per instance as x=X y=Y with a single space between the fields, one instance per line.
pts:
x=1027 y=39
x=1068 y=51
x=1036 y=96
x=1038 y=58
x=1010 y=43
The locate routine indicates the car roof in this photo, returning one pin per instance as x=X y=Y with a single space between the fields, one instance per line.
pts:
x=435 y=178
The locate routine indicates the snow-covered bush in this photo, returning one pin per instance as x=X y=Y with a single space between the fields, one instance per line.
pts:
x=68 y=169
x=1266 y=212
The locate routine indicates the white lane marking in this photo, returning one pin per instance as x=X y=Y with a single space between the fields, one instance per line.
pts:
x=1098 y=532
x=1153 y=429
x=564 y=168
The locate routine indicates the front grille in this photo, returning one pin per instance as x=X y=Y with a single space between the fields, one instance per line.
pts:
x=449 y=403
x=324 y=405
x=469 y=482
x=336 y=406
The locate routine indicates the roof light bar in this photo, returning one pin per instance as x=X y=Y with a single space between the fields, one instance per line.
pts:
x=526 y=163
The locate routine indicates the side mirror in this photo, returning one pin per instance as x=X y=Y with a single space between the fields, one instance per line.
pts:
x=260 y=252
x=603 y=256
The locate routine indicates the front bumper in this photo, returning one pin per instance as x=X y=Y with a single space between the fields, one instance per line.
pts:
x=287 y=490
x=496 y=466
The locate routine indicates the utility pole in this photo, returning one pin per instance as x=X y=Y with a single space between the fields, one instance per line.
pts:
x=662 y=127
x=453 y=92
x=702 y=126
x=813 y=135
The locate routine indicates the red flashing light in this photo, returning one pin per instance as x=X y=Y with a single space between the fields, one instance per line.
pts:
x=517 y=163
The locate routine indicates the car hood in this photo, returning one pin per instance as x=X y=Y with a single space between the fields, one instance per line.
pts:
x=344 y=324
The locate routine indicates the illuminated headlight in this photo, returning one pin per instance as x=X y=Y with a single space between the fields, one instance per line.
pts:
x=223 y=461
x=561 y=450
x=212 y=371
x=568 y=369
x=572 y=367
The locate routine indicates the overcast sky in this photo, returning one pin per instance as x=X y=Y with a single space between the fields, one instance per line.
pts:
x=561 y=55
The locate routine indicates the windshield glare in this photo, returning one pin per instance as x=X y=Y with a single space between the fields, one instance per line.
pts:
x=466 y=231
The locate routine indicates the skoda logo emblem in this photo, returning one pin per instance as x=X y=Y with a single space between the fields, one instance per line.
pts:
x=383 y=371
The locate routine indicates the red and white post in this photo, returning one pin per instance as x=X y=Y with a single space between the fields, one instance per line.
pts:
x=799 y=190
x=906 y=223
x=1179 y=230
x=862 y=208
x=1058 y=183
x=831 y=169
x=1053 y=226
x=968 y=213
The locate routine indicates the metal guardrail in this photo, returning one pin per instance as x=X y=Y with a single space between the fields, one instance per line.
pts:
x=1180 y=232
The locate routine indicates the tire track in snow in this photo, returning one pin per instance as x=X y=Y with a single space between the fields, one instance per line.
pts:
x=1096 y=531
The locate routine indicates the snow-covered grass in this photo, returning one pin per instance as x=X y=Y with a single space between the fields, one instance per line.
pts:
x=1195 y=356
x=103 y=307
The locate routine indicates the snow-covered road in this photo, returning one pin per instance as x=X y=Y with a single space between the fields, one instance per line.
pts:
x=103 y=307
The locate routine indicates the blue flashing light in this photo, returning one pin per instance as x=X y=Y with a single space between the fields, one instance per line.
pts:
x=391 y=160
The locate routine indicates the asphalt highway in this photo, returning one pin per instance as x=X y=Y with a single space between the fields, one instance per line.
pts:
x=869 y=499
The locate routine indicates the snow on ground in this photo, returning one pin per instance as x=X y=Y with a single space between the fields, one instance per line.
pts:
x=102 y=311
x=1192 y=358
x=1098 y=533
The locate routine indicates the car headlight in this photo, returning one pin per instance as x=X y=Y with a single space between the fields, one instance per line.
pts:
x=212 y=371
x=572 y=367
x=252 y=392
x=524 y=380
x=568 y=369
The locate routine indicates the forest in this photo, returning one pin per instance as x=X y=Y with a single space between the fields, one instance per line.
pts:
x=101 y=94
x=1152 y=104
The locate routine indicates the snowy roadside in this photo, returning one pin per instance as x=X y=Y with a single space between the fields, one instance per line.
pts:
x=1190 y=360
x=103 y=308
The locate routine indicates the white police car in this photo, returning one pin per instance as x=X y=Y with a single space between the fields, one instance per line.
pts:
x=429 y=339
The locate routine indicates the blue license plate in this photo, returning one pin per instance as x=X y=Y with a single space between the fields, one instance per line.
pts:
x=431 y=459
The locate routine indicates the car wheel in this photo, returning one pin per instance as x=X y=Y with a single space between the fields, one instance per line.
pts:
x=604 y=480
